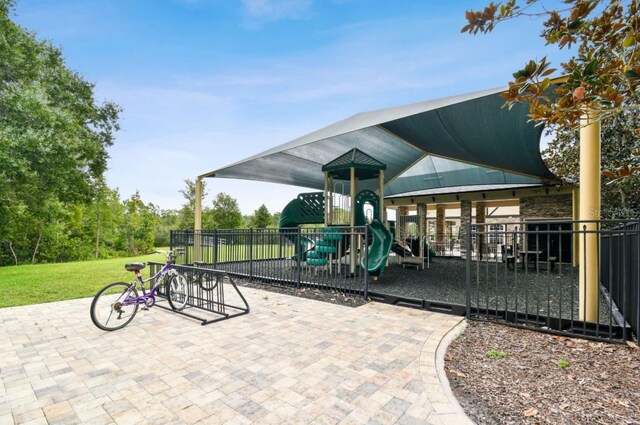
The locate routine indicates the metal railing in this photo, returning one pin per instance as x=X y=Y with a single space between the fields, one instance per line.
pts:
x=620 y=270
x=212 y=295
x=303 y=257
x=532 y=278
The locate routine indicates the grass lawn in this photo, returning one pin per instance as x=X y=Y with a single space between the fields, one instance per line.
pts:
x=41 y=283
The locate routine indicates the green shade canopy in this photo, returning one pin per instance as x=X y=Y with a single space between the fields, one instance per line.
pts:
x=366 y=166
x=456 y=141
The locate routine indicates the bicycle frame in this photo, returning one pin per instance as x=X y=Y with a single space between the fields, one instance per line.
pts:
x=167 y=269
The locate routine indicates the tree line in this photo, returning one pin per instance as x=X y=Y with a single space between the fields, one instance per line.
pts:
x=54 y=137
x=108 y=227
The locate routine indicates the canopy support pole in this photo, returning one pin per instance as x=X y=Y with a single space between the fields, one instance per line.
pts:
x=575 y=248
x=327 y=206
x=589 y=210
x=197 y=218
x=353 y=248
x=381 y=201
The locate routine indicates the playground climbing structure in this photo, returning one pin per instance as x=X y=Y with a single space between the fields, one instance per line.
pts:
x=336 y=210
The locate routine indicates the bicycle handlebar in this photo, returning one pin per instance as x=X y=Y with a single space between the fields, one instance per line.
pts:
x=171 y=254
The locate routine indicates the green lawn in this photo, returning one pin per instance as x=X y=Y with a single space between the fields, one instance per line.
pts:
x=241 y=253
x=41 y=283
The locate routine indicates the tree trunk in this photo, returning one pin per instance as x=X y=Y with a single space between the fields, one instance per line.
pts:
x=98 y=227
x=35 y=250
x=15 y=257
x=98 y=242
x=623 y=198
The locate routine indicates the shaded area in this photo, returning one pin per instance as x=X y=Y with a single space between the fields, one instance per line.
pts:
x=542 y=292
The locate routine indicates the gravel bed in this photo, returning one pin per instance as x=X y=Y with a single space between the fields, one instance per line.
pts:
x=547 y=293
x=326 y=295
x=502 y=375
x=494 y=287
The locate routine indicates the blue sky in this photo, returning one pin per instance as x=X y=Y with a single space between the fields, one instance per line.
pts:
x=204 y=83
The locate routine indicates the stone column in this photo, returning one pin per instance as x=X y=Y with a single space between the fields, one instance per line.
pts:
x=465 y=217
x=422 y=226
x=401 y=211
x=440 y=230
x=480 y=219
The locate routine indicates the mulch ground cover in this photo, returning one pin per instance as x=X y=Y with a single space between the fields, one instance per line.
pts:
x=503 y=375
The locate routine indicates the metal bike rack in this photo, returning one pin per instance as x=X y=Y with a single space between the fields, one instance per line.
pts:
x=206 y=294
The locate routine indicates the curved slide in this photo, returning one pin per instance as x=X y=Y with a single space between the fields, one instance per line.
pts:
x=298 y=212
x=379 y=248
x=289 y=221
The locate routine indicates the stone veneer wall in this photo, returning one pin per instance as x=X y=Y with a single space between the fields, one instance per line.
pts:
x=552 y=206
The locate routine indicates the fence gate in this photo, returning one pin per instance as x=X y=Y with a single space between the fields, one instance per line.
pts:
x=212 y=295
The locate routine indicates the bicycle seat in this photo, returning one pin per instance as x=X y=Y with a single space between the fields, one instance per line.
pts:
x=134 y=267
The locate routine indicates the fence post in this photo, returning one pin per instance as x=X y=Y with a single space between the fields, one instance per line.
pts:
x=216 y=247
x=251 y=253
x=366 y=261
x=468 y=266
x=298 y=256
x=637 y=283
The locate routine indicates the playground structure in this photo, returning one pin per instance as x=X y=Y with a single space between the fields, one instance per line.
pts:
x=457 y=154
x=411 y=242
x=332 y=208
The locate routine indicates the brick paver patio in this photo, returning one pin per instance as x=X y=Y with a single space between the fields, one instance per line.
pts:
x=290 y=361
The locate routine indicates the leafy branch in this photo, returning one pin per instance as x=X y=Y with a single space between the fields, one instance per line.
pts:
x=604 y=76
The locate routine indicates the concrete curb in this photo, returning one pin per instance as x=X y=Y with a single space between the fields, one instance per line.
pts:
x=460 y=415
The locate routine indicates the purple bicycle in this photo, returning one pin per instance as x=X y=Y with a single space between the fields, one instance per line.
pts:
x=115 y=305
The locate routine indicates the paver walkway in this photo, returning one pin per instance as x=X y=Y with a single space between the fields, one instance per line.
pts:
x=291 y=360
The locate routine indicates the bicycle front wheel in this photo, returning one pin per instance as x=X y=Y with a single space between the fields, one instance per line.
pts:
x=115 y=306
x=177 y=294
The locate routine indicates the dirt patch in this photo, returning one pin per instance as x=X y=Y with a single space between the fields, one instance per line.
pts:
x=325 y=295
x=503 y=375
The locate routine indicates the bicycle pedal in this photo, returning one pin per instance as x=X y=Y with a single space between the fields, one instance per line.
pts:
x=144 y=308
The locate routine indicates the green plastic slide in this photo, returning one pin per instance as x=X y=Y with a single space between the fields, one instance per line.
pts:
x=379 y=249
x=290 y=218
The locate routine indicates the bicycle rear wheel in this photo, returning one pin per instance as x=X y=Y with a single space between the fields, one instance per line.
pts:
x=177 y=293
x=115 y=306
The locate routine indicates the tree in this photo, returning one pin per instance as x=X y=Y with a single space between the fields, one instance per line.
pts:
x=620 y=187
x=186 y=215
x=138 y=227
x=603 y=76
x=226 y=213
x=275 y=219
x=53 y=141
x=261 y=217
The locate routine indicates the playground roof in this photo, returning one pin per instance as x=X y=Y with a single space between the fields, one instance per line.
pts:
x=455 y=141
x=366 y=166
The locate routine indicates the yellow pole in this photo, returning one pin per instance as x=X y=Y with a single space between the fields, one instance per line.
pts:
x=327 y=207
x=352 y=220
x=589 y=210
x=575 y=251
x=381 y=181
x=197 y=225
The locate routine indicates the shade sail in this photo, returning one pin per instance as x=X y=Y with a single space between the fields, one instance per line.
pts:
x=455 y=141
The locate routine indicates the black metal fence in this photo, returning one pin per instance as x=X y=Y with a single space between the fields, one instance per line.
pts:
x=530 y=276
x=320 y=257
x=620 y=272
x=212 y=295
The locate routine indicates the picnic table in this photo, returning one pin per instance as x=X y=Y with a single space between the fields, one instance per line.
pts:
x=531 y=257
